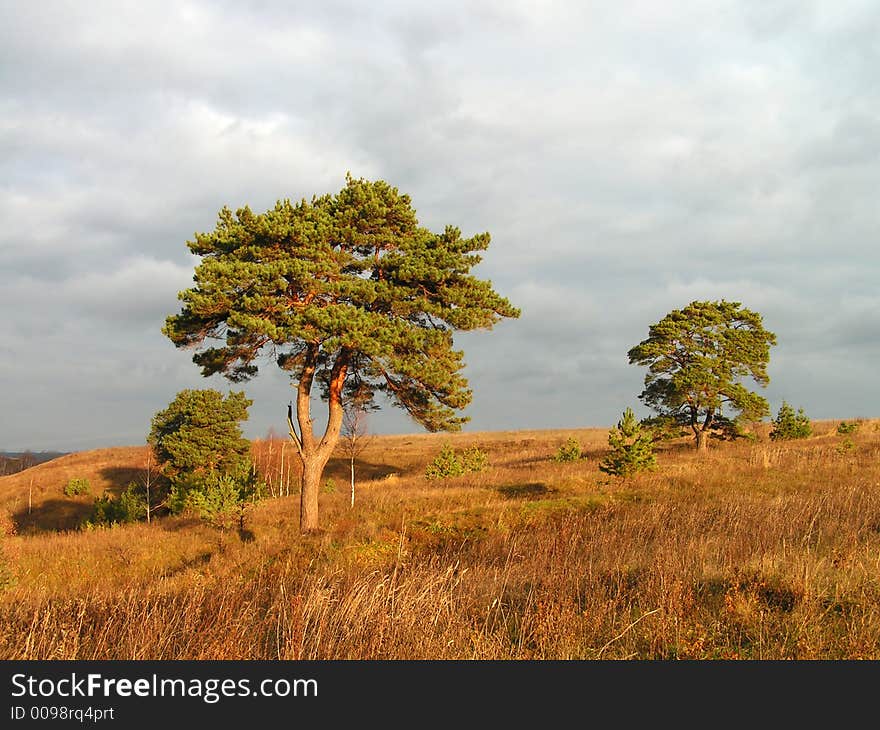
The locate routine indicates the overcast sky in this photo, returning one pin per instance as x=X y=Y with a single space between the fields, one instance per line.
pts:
x=626 y=157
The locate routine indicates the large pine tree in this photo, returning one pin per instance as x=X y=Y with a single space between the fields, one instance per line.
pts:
x=699 y=359
x=349 y=294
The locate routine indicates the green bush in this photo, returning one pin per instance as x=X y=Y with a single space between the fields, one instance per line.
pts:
x=130 y=506
x=790 y=425
x=450 y=464
x=845 y=428
x=569 y=451
x=632 y=448
x=474 y=460
x=446 y=464
x=77 y=486
x=216 y=497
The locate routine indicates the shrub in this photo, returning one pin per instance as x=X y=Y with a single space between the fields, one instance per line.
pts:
x=844 y=428
x=569 y=451
x=474 y=460
x=790 y=425
x=77 y=486
x=215 y=496
x=450 y=464
x=730 y=429
x=445 y=464
x=632 y=448
x=223 y=503
x=130 y=506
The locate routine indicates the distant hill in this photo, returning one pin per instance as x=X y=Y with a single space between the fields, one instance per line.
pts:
x=12 y=462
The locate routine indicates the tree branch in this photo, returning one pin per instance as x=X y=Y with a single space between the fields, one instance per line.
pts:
x=292 y=430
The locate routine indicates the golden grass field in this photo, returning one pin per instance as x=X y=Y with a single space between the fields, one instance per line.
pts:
x=758 y=550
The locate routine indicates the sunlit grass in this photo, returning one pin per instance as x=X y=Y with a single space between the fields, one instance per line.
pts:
x=761 y=550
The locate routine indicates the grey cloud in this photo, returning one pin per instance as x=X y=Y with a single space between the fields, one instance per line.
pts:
x=625 y=157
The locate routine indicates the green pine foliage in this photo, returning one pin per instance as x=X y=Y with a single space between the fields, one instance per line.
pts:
x=698 y=358
x=200 y=431
x=845 y=428
x=448 y=463
x=474 y=460
x=77 y=486
x=129 y=506
x=201 y=450
x=569 y=451
x=218 y=498
x=346 y=293
x=632 y=448
x=789 y=425
x=663 y=427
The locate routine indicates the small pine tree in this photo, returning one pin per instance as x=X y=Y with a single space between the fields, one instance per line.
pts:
x=77 y=486
x=632 y=449
x=569 y=451
x=450 y=464
x=790 y=425
x=474 y=459
x=445 y=464
x=217 y=496
x=198 y=441
x=129 y=506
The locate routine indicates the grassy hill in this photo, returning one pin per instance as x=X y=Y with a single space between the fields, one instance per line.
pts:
x=759 y=550
x=35 y=497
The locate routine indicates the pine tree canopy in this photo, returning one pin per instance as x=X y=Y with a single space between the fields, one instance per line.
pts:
x=199 y=431
x=697 y=358
x=347 y=290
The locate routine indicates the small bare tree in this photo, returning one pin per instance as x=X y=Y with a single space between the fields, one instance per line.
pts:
x=354 y=434
x=148 y=482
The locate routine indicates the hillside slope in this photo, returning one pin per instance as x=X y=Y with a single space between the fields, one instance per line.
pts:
x=35 y=497
x=755 y=550
x=36 y=501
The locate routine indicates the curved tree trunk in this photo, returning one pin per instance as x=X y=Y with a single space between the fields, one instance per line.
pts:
x=702 y=439
x=310 y=486
x=314 y=456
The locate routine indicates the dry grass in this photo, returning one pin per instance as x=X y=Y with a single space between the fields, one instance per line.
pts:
x=759 y=550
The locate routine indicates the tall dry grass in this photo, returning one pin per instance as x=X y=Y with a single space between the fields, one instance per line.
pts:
x=758 y=551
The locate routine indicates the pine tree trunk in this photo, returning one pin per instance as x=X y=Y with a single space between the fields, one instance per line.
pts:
x=702 y=440
x=310 y=487
x=315 y=455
